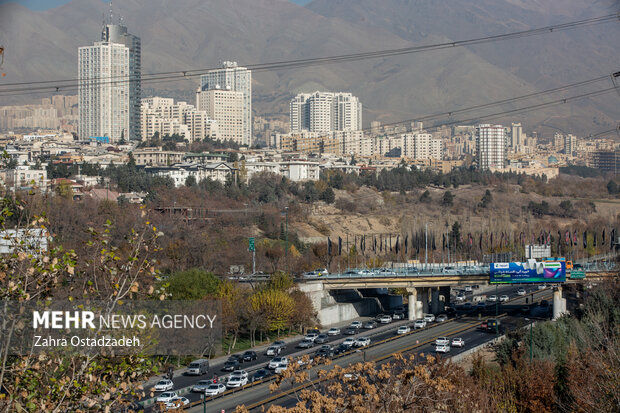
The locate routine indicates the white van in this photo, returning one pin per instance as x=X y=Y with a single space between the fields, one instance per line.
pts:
x=198 y=367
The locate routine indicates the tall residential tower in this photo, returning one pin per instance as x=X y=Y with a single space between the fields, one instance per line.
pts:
x=109 y=88
x=231 y=77
x=116 y=33
x=325 y=112
x=491 y=146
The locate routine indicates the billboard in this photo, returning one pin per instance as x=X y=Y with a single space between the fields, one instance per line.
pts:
x=530 y=271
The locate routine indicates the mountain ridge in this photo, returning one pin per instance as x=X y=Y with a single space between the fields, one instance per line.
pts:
x=199 y=34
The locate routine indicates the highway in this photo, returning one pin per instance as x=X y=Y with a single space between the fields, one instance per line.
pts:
x=466 y=323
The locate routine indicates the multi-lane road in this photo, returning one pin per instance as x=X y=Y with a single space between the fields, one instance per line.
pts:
x=419 y=341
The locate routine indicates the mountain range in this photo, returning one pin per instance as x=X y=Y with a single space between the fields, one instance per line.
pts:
x=192 y=34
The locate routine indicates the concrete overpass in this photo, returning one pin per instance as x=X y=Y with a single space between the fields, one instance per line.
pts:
x=429 y=288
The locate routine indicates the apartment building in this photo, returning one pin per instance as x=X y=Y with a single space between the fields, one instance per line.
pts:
x=164 y=116
x=490 y=146
x=226 y=108
x=325 y=112
x=233 y=78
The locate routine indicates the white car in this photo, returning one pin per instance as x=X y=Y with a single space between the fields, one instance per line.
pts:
x=166 y=396
x=521 y=291
x=305 y=343
x=442 y=341
x=492 y=298
x=236 y=381
x=362 y=342
x=442 y=349
x=460 y=297
x=429 y=318
x=311 y=337
x=177 y=402
x=403 y=330
x=303 y=360
x=458 y=342
x=164 y=385
x=333 y=331
x=278 y=362
x=215 y=389
x=273 y=350
x=280 y=368
x=419 y=324
x=241 y=373
x=385 y=319
x=468 y=288
x=201 y=386
x=349 y=342
x=503 y=298
x=541 y=286
x=356 y=324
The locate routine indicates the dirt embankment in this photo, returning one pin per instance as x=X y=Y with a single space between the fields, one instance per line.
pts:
x=368 y=212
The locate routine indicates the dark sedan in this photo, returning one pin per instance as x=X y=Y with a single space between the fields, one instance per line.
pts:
x=260 y=374
x=249 y=356
x=341 y=349
x=231 y=365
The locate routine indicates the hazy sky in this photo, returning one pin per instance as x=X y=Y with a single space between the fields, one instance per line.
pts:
x=48 y=4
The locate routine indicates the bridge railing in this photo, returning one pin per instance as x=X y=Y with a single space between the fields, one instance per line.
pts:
x=448 y=270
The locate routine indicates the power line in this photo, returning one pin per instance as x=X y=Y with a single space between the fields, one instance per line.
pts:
x=69 y=84
x=499 y=102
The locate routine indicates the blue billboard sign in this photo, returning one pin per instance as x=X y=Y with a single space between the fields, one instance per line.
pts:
x=100 y=139
x=530 y=271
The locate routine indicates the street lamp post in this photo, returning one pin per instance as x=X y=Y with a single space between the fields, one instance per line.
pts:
x=204 y=403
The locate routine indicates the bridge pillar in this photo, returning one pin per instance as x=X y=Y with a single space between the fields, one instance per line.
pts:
x=435 y=304
x=412 y=301
x=559 y=303
x=423 y=296
x=418 y=302
x=445 y=291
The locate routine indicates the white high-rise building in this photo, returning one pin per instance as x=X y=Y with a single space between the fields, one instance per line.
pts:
x=421 y=145
x=325 y=112
x=117 y=33
x=490 y=146
x=516 y=137
x=570 y=144
x=226 y=108
x=103 y=105
x=232 y=77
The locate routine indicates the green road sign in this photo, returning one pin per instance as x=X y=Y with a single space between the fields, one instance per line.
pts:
x=251 y=244
x=577 y=274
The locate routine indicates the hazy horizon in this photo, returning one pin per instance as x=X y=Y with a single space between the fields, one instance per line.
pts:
x=50 y=4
